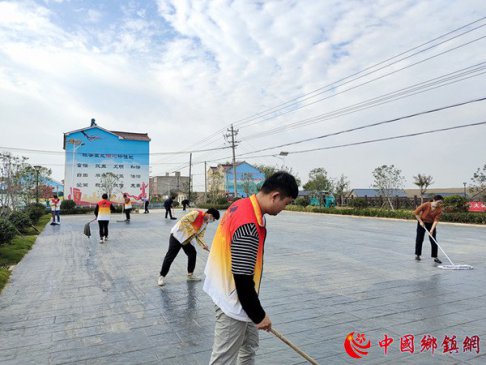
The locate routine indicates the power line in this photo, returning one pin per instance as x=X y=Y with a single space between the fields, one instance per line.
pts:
x=371 y=140
x=333 y=85
x=95 y=152
x=391 y=138
x=431 y=84
x=286 y=104
x=374 y=79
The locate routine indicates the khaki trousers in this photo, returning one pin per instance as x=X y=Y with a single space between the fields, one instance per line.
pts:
x=235 y=342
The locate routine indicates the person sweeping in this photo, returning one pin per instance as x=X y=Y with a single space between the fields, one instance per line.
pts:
x=234 y=271
x=428 y=215
x=189 y=229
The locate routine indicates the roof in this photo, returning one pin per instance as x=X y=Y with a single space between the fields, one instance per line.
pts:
x=132 y=136
x=124 y=135
x=374 y=193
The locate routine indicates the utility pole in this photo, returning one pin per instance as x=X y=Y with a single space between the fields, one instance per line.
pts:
x=233 y=133
x=205 y=183
x=190 y=169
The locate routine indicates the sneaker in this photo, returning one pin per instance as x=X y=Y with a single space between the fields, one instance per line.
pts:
x=106 y=239
x=53 y=223
x=417 y=257
x=173 y=218
x=192 y=277
x=436 y=260
x=160 y=281
x=101 y=240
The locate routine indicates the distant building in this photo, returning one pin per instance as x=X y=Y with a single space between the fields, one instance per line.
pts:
x=248 y=179
x=162 y=186
x=436 y=191
x=101 y=161
x=375 y=193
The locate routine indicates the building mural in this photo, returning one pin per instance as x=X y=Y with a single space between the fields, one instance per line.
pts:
x=248 y=179
x=100 y=161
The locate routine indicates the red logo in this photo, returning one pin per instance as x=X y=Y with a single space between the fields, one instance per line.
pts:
x=356 y=347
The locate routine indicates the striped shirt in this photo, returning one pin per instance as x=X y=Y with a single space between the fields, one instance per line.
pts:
x=244 y=249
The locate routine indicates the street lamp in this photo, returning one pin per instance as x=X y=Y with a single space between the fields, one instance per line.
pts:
x=465 y=195
x=37 y=169
x=76 y=143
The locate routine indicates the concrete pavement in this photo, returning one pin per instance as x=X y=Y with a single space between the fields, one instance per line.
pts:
x=74 y=301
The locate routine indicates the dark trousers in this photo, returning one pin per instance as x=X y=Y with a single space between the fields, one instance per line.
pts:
x=174 y=248
x=127 y=213
x=420 y=239
x=146 y=207
x=103 y=228
x=168 y=212
x=56 y=213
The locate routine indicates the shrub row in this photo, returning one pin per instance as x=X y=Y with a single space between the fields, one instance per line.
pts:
x=458 y=217
x=215 y=206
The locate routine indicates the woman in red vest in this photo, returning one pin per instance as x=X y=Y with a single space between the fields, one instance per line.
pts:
x=103 y=211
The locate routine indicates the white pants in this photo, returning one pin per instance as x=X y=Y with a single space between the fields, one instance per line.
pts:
x=233 y=340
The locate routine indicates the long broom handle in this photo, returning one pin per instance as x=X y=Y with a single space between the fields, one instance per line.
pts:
x=437 y=243
x=293 y=347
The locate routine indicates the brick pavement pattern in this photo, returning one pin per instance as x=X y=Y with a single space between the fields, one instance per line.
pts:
x=74 y=301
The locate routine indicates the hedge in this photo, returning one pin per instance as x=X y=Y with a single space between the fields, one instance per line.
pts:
x=20 y=220
x=459 y=217
x=215 y=206
x=7 y=231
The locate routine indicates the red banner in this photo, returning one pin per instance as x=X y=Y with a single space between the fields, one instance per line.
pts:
x=477 y=207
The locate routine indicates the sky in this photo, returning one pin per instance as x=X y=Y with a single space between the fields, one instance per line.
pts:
x=280 y=71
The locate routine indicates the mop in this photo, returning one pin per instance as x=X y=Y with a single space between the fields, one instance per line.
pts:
x=452 y=266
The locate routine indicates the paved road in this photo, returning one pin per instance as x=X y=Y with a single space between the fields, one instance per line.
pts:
x=72 y=300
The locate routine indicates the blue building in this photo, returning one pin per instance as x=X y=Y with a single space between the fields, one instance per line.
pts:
x=248 y=179
x=93 y=152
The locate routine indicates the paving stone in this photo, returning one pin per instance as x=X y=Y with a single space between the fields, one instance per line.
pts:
x=74 y=301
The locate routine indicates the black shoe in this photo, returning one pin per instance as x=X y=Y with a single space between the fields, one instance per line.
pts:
x=417 y=257
x=437 y=260
x=173 y=218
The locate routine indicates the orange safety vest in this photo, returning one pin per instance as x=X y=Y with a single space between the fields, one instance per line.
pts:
x=219 y=283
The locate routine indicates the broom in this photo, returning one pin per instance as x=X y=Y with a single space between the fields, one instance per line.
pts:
x=87 y=228
x=293 y=347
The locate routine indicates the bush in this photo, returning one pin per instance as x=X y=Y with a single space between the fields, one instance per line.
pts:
x=68 y=204
x=301 y=201
x=175 y=203
x=358 y=203
x=7 y=231
x=35 y=211
x=20 y=220
x=455 y=203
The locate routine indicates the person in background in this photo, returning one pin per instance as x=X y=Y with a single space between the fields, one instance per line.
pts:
x=103 y=211
x=189 y=229
x=127 y=206
x=428 y=215
x=146 y=205
x=185 y=203
x=55 y=204
x=168 y=207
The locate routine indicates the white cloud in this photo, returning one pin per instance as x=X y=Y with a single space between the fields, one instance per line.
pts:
x=185 y=69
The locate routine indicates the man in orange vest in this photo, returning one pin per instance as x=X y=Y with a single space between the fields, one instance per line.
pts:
x=234 y=270
x=189 y=229
x=103 y=211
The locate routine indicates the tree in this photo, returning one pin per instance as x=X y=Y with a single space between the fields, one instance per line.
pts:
x=215 y=181
x=248 y=184
x=423 y=182
x=478 y=180
x=340 y=186
x=388 y=180
x=269 y=170
x=108 y=183
x=318 y=180
x=18 y=180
